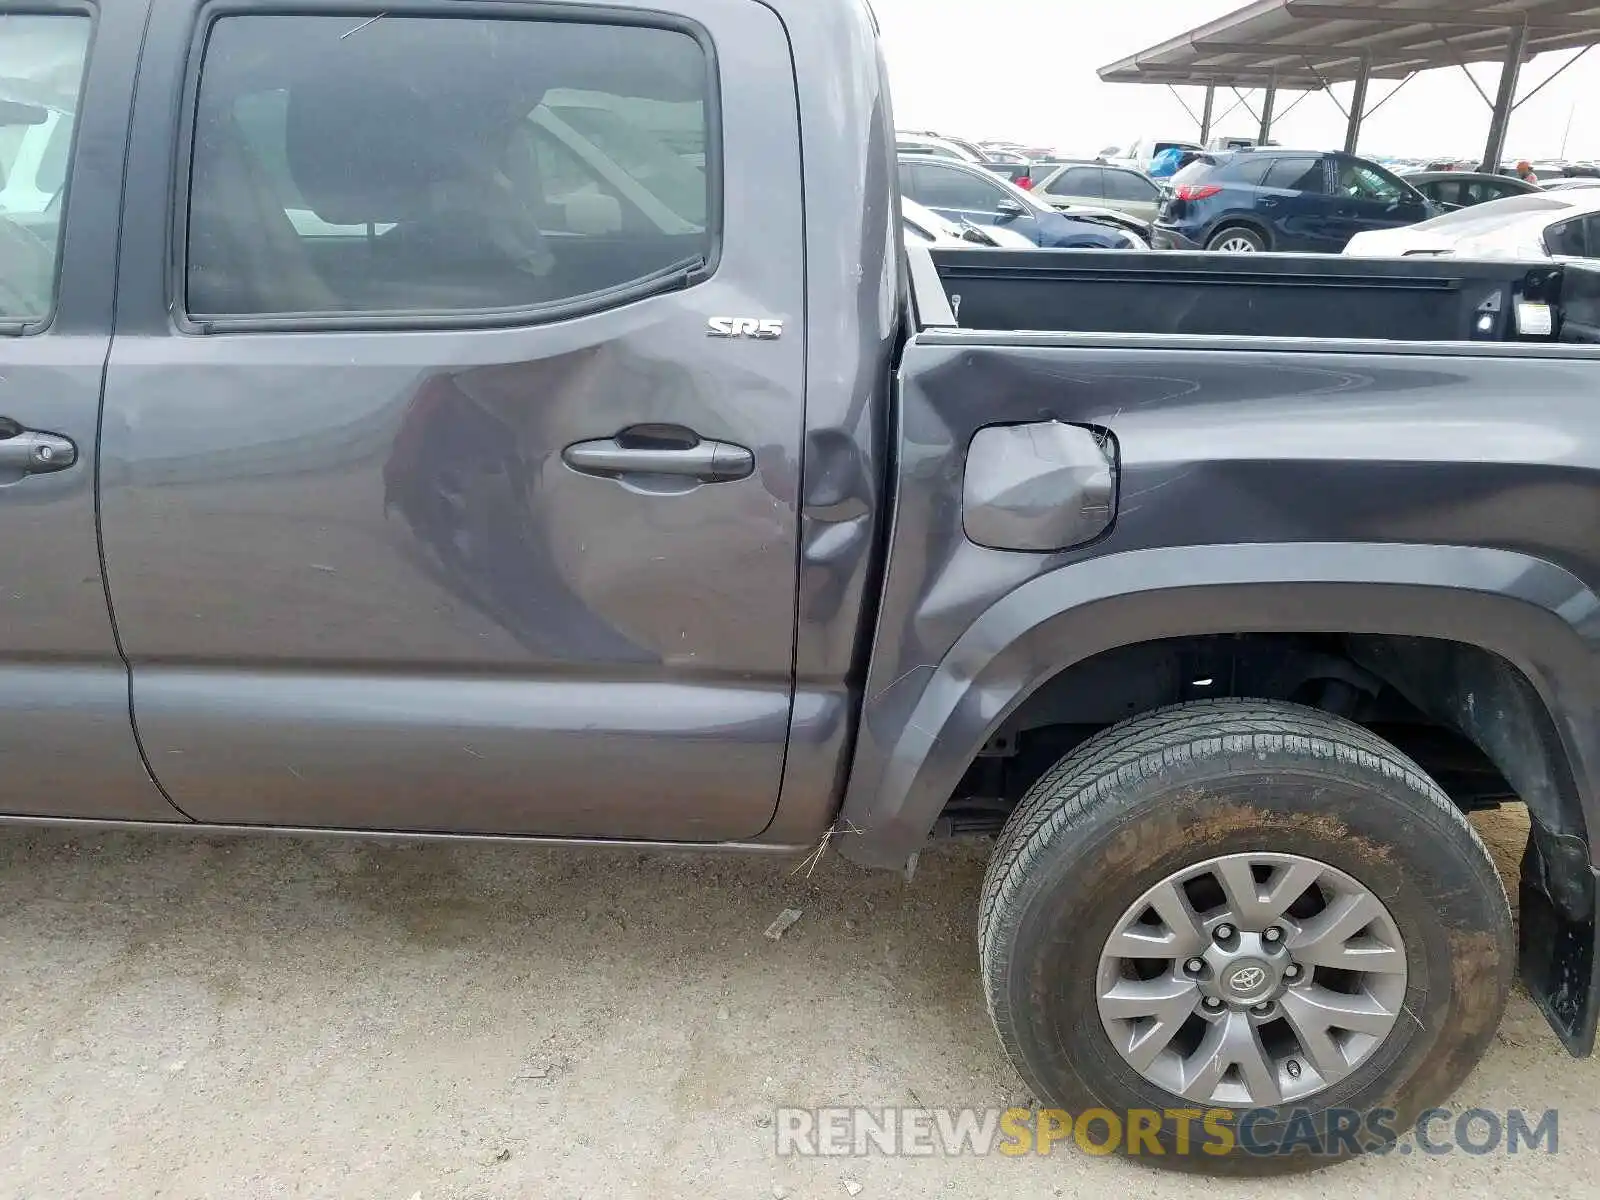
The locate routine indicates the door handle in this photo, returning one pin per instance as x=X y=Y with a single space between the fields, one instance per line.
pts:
x=708 y=462
x=33 y=453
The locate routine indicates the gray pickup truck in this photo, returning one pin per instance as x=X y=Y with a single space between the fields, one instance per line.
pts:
x=526 y=420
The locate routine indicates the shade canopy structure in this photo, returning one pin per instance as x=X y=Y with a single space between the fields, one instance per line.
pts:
x=1310 y=45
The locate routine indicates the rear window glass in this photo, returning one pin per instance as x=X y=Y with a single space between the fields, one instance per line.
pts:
x=1125 y=185
x=1250 y=169
x=1195 y=172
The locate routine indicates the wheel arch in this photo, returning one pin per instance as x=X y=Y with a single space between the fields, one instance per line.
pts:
x=1532 y=615
x=1239 y=220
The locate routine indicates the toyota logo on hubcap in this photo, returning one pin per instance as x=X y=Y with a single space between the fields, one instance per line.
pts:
x=1246 y=981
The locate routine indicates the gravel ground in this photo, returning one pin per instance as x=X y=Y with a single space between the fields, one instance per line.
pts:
x=275 y=1017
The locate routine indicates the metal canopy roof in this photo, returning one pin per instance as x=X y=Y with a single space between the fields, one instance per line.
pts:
x=1309 y=44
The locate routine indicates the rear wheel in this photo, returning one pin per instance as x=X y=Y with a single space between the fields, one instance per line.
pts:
x=1237 y=240
x=1251 y=907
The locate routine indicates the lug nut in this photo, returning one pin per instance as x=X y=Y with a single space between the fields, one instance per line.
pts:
x=1195 y=965
x=1223 y=932
x=1292 y=971
x=1272 y=936
x=1212 y=1003
x=1263 y=1008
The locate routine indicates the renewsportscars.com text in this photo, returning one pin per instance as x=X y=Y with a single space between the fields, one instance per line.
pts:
x=951 y=1132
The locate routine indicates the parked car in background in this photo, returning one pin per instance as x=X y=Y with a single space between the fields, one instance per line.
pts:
x=1229 y=144
x=1120 y=188
x=963 y=191
x=1019 y=173
x=925 y=227
x=1463 y=189
x=1029 y=153
x=937 y=147
x=1042 y=168
x=1283 y=200
x=1562 y=224
x=970 y=149
x=1006 y=164
x=1145 y=151
x=1567 y=185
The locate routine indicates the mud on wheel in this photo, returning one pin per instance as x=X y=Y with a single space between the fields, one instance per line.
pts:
x=1244 y=906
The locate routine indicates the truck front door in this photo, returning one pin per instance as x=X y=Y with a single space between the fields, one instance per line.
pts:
x=429 y=502
x=65 y=737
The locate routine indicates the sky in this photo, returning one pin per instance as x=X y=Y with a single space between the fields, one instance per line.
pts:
x=1024 y=71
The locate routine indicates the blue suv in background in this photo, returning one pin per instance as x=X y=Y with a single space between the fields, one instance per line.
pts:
x=1284 y=200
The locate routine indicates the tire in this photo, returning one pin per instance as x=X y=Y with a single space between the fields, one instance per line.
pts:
x=1193 y=784
x=1237 y=239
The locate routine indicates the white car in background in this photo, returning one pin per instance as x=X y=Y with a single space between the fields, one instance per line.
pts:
x=936 y=147
x=1562 y=224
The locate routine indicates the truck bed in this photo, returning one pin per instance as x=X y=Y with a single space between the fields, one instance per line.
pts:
x=1269 y=295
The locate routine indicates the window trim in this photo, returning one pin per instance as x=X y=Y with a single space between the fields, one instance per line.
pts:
x=66 y=8
x=671 y=278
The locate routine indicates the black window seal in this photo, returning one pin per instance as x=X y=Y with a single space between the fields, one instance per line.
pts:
x=690 y=273
x=34 y=326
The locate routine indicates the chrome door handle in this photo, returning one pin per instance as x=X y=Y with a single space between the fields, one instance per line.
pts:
x=709 y=462
x=33 y=453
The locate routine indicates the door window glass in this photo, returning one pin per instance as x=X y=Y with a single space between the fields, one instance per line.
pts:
x=1079 y=181
x=1125 y=185
x=41 y=76
x=948 y=187
x=1296 y=175
x=1360 y=182
x=1567 y=239
x=427 y=165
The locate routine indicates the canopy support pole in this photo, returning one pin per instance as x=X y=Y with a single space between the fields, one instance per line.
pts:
x=1505 y=100
x=1358 y=105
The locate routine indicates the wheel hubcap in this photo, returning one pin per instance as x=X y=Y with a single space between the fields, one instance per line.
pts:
x=1237 y=245
x=1252 y=979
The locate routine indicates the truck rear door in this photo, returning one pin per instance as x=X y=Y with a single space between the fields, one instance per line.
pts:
x=429 y=502
x=65 y=738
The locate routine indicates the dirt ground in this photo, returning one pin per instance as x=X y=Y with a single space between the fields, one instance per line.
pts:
x=276 y=1017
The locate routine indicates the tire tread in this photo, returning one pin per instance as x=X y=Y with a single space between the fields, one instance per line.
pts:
x=1121 y=756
